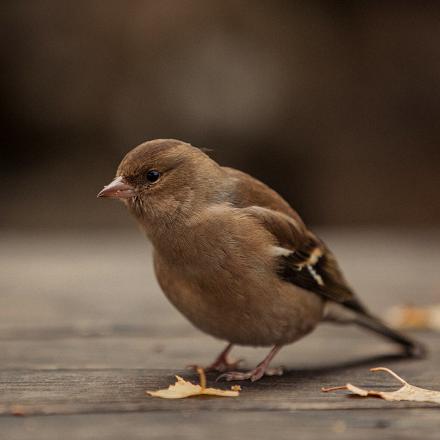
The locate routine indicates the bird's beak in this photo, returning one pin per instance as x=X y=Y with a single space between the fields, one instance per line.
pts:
x=117 y=189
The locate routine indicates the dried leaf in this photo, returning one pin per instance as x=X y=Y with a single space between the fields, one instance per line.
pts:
x=407 y=392
x=183 y=388
x=412 y=317
x=17 y=410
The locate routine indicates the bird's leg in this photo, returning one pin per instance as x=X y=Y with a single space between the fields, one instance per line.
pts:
x=257 y=373
x=222 y=363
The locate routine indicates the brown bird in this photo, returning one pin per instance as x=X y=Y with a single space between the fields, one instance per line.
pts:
x=233 y=256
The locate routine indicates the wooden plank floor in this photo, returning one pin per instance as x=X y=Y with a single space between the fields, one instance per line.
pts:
x=85 y=331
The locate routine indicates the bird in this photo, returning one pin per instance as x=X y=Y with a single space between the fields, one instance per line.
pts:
x=234 y=257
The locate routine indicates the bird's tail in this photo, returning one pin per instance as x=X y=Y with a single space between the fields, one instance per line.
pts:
x=338 y=313
x=372 y=323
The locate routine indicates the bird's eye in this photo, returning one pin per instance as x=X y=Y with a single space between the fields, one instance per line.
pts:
x=153 y=176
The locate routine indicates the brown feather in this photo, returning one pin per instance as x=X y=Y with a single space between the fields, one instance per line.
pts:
x=286 y=225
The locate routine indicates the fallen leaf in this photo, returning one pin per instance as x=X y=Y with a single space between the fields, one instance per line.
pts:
x=183 y=388
x=407 y=392
x=412 y=317
x=17 y=410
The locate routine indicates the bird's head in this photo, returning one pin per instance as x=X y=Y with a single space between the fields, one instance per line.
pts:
x=164 y=180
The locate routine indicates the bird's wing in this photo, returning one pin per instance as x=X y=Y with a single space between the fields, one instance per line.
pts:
x=304 y=260
x=308 y=263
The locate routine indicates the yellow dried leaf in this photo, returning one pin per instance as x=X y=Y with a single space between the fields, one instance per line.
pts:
x=412 y=317
x=406 y=392
x=183 y=388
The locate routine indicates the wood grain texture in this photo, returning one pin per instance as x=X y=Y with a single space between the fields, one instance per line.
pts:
x=83 y=336
x=284 y=425
x=49 y=392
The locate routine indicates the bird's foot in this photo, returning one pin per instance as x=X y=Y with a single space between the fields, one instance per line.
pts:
x=253 y=375
x=258 y=372
x=222 y=363
x=219 y=365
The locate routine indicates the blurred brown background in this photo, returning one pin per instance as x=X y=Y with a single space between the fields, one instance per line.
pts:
x=335 y=104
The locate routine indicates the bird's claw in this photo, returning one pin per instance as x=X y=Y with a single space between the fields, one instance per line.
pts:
x=253 y=375
x=236 y=375
x=224 y=366
x=218 y=366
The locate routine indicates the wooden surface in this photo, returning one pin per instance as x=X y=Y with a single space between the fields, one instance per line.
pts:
x=85 y=331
